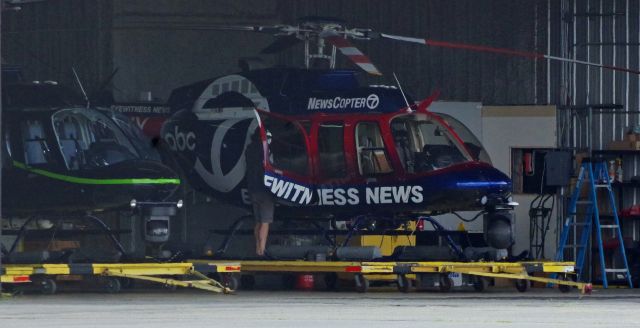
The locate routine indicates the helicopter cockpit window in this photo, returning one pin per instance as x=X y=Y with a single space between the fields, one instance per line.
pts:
x=331 y=150
x=36 y=149
x=287 y=146
x=140 y=141
x=7 y=144
x=372 y=155
x=470 y=140
x=89 y=138
x=424 y=144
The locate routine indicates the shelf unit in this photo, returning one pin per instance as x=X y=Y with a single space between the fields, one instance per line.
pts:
x=583 y=130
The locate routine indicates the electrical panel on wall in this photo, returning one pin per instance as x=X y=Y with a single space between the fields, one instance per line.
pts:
x=539 y=170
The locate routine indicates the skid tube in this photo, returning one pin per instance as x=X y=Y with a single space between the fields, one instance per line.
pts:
x=168 y=274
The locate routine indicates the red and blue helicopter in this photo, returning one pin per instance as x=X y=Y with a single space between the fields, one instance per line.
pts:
x=333 y=148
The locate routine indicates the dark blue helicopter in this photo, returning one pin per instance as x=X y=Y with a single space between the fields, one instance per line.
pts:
x=63 y=160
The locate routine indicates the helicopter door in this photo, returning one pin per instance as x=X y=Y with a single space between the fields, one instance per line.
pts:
x=288 y=165
x=373 y=158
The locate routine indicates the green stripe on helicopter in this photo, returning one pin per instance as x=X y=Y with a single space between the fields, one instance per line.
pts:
x=91 y=181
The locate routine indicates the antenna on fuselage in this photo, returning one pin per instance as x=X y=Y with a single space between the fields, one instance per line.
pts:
x=402 y=92
x=84 y=93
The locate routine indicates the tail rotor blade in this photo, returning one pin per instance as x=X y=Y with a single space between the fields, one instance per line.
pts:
x=503 y=51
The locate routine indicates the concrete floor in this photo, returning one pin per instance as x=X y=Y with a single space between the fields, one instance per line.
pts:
x=185 y=308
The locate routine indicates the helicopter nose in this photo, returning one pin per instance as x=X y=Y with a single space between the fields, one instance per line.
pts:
x=485 y=178
x=487 y=185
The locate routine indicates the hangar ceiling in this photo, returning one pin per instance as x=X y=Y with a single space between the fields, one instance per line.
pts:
x=158 y=45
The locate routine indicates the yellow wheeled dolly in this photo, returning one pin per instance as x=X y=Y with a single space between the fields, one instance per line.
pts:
x=404 y=272
x=113 y=275
x=519 y=272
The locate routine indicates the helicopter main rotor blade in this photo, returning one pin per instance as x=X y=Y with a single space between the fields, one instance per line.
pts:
x=354 y=54
x=269 y=29
x=503 y=51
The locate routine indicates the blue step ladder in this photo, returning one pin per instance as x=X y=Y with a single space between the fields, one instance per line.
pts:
x=579 y=224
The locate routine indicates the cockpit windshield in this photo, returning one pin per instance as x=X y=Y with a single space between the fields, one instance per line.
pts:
x=143 y=144
x=425 y=144
x=88 y=138
x=471 y=142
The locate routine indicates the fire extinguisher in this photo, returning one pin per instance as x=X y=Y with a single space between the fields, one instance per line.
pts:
x=529 y=163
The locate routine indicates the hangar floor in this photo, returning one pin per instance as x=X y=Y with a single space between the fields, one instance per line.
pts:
x=494 y=308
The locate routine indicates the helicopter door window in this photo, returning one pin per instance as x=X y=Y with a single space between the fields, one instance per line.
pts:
x=287 y=146
x=331 y=150
x=36 y=150
x=405 y=144
x=372 y=155
x=68 y=131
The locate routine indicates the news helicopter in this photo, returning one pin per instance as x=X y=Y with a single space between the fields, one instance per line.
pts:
x=335 y=149
x=65 y=162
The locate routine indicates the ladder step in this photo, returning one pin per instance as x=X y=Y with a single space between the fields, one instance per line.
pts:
x=615 y=270
x=602 y=186
x=609 y=226
x=577 y=224
x=573 y=246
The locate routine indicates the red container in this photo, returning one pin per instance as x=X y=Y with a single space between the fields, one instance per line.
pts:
x=304 y=282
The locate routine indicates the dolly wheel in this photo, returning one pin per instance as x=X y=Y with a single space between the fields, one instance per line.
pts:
x=479 y=284
x=288 y=281
x=362 y=283
x=230 y=281
x=404 y=283
x=331 y=281
x=522 y=285
x=247 y=282
x=47 y=286
x=445 y=282
x=112 y=285
x=564 y=288
x=127 y=283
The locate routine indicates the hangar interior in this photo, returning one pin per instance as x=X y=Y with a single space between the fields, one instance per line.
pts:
x=136 y=53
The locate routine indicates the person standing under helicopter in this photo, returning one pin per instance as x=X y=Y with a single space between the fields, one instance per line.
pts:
x=261 y=199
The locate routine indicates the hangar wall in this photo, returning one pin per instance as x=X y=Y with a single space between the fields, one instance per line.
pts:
x=508 y=127
x=607 y=32
x=47 y=39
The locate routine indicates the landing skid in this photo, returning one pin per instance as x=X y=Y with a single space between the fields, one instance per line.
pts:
x=80 y=226
x=330 y=233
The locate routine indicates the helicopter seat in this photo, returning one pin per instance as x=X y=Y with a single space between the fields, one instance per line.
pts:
x=34 y=144
x=407 y=157
x=367 y=165
x=70 y=152
x=34 y=152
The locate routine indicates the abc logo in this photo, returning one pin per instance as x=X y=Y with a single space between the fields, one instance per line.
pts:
x=179 y=141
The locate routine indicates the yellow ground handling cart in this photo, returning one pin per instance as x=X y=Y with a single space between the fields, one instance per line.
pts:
x=112 y=277
x=405 y=273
